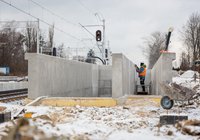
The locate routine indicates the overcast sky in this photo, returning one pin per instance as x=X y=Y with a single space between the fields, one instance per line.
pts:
x=128 y=22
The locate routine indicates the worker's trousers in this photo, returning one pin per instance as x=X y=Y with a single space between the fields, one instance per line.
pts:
x=142 y=79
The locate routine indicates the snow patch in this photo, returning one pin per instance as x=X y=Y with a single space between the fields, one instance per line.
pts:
x=189 y=74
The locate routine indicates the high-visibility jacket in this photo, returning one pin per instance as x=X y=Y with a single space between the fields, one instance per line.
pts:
x=143 y=73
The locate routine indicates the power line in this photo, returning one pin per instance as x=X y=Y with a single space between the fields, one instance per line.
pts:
x=53 y=13
x=56 y=15
x=40 y=20
x=95 y=14
x=60 y=17
x=87 y=30
x=85 y=7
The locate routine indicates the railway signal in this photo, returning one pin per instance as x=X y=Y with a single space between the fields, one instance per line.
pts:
x=98 y=35
x=106 y=53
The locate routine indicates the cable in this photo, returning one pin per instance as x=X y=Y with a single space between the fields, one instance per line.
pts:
x=44 y=20
x=54 y=14
x=40 y=20
x=60 y=17
x=87 y=30
x=85 y=7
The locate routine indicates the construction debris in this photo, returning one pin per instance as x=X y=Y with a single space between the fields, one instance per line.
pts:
x=5 y=116
x=22 y=130
x=191 y=127
x=136 y=118
x=2 y=108
x=184 y=90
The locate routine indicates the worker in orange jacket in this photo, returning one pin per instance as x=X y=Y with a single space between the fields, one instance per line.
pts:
x=142 y=73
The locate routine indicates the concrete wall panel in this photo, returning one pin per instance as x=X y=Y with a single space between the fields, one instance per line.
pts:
x=124 y=77
x=105 y=81
x=52 y=76
x=162 y=72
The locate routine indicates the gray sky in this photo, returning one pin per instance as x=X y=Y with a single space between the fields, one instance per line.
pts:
x=127 y=21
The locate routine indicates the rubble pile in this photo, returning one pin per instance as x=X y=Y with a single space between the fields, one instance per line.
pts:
x=131 y=120
x=186 y=88
x=191 y=127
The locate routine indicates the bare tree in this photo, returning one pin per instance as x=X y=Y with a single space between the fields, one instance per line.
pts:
x=153 y=45
x=12 y=42
x=191 y=37
x=31 y=37
x=90 y=58
x=51 y=36
x=60 y=51
x=185 y=62
x=42 y=40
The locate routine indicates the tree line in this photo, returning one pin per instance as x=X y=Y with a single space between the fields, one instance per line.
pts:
x=14 y=43
x=190 y=35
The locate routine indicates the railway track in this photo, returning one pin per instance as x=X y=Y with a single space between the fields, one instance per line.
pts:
x=13 y=95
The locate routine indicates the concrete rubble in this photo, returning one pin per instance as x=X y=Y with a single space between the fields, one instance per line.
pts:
x=135 y=119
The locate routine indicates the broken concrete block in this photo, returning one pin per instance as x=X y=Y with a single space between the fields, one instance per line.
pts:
x=5 y=116
x=172 y=118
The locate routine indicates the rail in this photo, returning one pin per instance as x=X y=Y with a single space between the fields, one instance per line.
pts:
x=12 y=95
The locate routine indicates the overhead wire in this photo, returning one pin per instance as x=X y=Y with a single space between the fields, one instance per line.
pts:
x=53 y=13
x=81 y=3
x=40 y=20
x=97 y=16
x=56 y=15
x=85 y=7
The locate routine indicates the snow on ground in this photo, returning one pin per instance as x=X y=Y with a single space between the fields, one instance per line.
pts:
x=187 y=79
x=189 y=74
x=138 y=120
x=17 y=102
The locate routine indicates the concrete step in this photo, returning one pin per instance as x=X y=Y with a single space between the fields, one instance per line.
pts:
x=95 y=101
x=81 y=101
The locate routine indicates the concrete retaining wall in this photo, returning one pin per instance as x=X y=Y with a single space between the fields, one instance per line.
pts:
x=124 y=77
x=13 y=85
x=105 y=81
x=52 y=76
x=162 y=72
x=57 y=77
